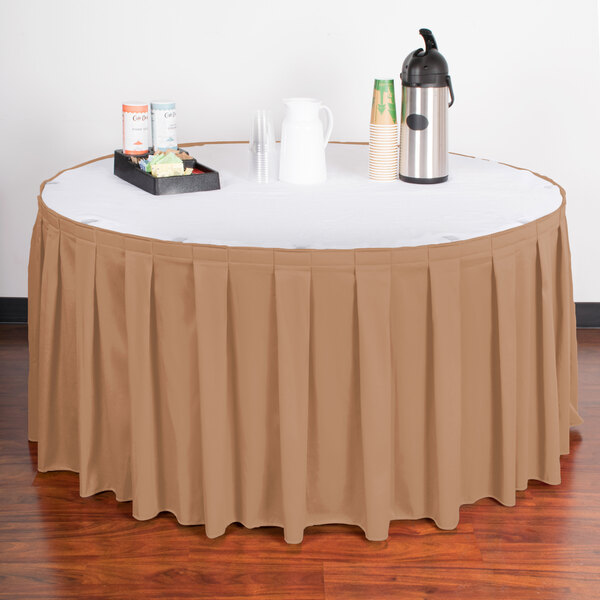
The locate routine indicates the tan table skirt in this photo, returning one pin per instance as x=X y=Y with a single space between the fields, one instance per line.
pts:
x=300 y=387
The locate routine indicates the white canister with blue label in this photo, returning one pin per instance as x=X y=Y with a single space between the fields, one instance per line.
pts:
x=164 y=126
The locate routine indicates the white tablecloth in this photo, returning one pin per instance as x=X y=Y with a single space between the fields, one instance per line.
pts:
x=348 y=211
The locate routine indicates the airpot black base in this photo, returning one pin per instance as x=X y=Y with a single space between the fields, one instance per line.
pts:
x=423 y=179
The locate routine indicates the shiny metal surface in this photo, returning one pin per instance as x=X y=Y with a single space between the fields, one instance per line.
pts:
x=424 y=153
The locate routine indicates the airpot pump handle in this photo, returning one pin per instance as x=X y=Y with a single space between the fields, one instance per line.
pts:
x=429 y=39
x=449 y=82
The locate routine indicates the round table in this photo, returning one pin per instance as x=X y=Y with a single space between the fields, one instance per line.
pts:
x=354 y=352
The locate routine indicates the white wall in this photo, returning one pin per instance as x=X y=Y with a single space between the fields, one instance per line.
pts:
x=526 y=75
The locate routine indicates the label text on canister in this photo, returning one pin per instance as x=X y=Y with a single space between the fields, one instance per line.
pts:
x=164 y=125
x=135 y=128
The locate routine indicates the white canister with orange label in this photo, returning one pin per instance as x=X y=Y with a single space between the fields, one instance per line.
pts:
x=135 y=128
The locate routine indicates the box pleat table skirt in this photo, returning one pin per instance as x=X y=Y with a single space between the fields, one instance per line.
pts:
x=301 y=387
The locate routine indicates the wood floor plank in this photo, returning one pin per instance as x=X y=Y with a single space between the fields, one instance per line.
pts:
x=260 y=579
x=415 y=542
x=354 y=581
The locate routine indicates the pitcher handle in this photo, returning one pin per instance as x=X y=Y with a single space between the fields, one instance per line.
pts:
x=329 y=123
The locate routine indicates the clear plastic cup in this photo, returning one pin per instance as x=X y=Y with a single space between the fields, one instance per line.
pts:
x=264 y=153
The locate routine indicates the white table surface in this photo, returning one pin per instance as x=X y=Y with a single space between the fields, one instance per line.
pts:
x=348 y=211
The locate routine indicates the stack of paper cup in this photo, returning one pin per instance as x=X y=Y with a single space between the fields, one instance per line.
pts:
x=383 y=135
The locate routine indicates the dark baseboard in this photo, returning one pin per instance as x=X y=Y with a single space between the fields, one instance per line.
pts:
x=14 y=310
x=588 y=314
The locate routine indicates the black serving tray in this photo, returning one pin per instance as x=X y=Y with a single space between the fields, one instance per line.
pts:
x=178 y=184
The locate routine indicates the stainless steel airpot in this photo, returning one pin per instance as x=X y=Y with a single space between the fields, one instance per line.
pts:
x=424 y=123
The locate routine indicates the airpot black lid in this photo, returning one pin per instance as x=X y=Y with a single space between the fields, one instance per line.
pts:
x=425 y=68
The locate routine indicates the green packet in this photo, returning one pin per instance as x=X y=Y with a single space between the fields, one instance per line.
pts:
x=163 y=159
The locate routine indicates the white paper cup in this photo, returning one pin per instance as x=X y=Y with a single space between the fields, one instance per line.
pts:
x=383 y=173
x=383 y=163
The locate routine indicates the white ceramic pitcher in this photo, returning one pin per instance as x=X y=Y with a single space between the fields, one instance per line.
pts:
x=302 y=158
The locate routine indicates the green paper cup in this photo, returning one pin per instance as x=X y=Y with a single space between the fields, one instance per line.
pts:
x=383 y=109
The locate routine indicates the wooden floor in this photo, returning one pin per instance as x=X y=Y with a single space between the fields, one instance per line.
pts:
x=54 y=544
